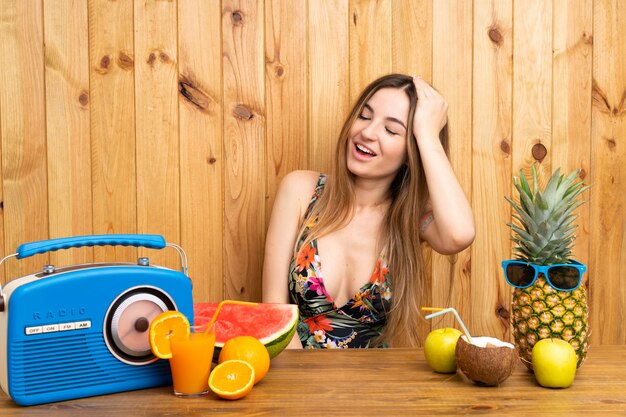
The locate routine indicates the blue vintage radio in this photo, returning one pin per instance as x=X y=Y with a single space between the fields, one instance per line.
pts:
x=82 y=330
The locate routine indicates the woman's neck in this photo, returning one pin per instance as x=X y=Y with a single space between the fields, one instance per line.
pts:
x=371 y=194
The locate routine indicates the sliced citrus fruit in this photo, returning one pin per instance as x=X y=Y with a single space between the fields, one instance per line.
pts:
x=164 y=326
x=249 y=349
x=232 y=379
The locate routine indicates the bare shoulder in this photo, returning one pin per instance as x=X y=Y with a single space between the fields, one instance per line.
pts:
x=301 y=179
x=300 y=183
x=298 y=187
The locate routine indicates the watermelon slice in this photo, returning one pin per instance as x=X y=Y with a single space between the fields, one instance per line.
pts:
x=273 y=324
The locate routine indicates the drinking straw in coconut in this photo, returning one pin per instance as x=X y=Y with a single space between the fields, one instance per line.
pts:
x=219 y=307
x=440 y=311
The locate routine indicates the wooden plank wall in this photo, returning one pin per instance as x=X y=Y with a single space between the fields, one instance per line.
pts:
x=180 y=118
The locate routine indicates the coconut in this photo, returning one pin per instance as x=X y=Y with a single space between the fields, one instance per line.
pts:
x=487 y=360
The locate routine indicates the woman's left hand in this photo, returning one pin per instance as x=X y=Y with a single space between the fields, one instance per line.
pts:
x=431 y=113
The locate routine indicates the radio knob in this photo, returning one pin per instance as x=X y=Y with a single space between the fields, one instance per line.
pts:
x=48 y=269
x=142 y=324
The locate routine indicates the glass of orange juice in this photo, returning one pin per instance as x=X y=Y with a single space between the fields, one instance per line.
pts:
x=191 y=361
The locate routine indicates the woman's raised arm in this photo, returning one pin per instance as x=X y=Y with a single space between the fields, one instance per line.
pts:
x=451 y=228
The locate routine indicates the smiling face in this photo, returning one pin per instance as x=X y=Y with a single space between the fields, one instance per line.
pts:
x=377 y=138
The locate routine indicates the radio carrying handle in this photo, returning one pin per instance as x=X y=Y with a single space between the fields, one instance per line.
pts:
x=138 y=240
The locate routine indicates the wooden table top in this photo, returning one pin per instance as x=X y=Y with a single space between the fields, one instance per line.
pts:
x=380 y=382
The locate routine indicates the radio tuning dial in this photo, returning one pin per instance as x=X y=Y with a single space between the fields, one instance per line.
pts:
x=127 y=321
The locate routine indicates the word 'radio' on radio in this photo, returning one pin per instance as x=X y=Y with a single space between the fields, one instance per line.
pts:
x=60 y=313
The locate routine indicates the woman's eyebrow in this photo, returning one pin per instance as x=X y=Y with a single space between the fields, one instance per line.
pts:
x=391 y=119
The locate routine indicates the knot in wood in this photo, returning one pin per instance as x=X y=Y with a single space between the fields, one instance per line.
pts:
x=151 y=59
x=539 y=152
x=105 y=61
x=505 y=147
x=125 y=61
x=242 y=112
x=502 y=312
x=610 y=142
x=482 y=407
x=193 y=94
x=237 y=17
x=83 y=98
x=495 y=35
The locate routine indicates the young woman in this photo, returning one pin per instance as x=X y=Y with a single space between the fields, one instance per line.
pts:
x=345 y=247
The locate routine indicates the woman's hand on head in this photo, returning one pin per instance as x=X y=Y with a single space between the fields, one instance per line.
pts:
x=431 y=113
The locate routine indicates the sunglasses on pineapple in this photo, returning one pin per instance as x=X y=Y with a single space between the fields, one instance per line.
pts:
x=561 y=277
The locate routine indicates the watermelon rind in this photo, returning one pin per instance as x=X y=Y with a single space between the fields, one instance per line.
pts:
x=275 y=342
x=278 y=344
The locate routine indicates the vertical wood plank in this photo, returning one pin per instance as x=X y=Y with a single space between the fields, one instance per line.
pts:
x=412 y=37
x=608 y=203
x=452 y=76
x=111 y=83
x=3 y=276
x=67 y=125
x=370 y=43
x=156 y=110
x=532 y=87
x=244 y=150
x=329 y=98
x=23 y=135
x=571 y=101
x=412 y=47
x=285 y=91
x=3 y=250
x=201 y=156
x=491 y=166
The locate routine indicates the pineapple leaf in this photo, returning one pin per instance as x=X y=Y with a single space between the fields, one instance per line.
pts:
x=573 y=192
x=535 y=179
x=543 y=219
x=523 y=234
x=552 y=188
x=523 y=186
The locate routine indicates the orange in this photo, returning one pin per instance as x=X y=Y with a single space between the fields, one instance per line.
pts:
x=249 y=349
x=232 y=379
x=164 y=326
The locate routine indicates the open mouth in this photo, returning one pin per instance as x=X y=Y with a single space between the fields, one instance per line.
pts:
x=364 y=150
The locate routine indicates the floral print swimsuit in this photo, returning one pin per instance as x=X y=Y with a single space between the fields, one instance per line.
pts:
x=322 y=323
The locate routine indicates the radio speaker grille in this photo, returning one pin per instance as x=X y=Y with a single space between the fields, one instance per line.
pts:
x=73 y=361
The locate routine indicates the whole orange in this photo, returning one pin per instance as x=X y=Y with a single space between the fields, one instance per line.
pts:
x=248 y=349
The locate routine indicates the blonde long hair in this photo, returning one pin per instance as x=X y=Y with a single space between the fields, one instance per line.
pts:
x=401 y=242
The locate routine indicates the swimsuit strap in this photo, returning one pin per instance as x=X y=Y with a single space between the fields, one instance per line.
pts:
x=319 y=187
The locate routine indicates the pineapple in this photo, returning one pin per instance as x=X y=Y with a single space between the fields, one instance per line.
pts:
x=544 y=235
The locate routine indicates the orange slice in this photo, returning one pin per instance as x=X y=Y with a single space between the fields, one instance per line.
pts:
x=232 y=379
x=249 y=349
x=164 y=326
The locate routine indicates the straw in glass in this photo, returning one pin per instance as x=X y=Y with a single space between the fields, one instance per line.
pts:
x=440 y=311
x=219 y=307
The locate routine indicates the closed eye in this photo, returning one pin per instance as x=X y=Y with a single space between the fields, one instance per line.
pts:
x=391 y=132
